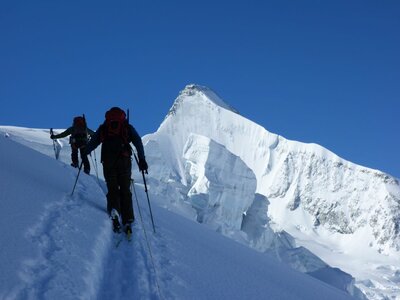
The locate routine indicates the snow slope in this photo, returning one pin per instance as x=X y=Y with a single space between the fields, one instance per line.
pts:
x=58 y=246
x=207 y=159
x=300 y=203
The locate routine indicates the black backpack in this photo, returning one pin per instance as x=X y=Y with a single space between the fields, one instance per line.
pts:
x=79 y=135
x=114 y=135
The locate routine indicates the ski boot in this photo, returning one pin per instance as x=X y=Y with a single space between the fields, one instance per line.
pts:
x=115 y=221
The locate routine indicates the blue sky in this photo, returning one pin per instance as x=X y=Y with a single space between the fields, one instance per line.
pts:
x=326 y=72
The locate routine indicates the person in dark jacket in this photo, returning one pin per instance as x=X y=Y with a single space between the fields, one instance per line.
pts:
x=79 y=135
x=115 y=135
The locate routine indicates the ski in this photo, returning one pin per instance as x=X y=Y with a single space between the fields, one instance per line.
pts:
x=128 y=232
x=118 y=239
x=129 y=236
x=117 y=229
x=121 y=235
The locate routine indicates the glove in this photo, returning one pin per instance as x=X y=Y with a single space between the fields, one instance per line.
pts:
x=52 y=136
x=143 y=165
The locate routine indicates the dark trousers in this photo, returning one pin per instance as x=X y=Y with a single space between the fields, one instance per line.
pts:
x=74 y=157
x=118 y=178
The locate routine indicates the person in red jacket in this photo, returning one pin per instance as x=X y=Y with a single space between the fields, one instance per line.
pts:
x=115 y=135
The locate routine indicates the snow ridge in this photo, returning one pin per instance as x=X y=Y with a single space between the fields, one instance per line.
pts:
x=202 y=93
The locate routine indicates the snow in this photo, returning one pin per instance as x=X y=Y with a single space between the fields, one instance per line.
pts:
x=54 y=245
x=42 y=225
x=238 y=212
x=311 y=198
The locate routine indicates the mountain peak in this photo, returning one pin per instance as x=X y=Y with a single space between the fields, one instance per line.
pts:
x=200 y=93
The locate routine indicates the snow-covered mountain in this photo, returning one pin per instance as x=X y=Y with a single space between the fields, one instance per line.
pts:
x=54 y=245
x=299 y=203
x=275 y=195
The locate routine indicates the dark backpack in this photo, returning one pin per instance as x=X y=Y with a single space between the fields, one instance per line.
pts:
x=114 y=135
x=79 y=136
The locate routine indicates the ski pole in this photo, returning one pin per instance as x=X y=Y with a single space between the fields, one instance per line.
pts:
x=77 y=176
x=146 y=237
x=147 y=195
x=95 y=167
x=95 y=164
x=54 y=143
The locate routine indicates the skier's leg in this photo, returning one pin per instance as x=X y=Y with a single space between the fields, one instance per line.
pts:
x=111 y=177
x=85 y=160
x=74 y=156
x=124 y=180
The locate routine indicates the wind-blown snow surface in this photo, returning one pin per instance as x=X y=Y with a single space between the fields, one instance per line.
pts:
x=278 y=196
x=58 y=246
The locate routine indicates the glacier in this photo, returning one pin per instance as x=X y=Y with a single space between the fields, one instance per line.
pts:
x=277 y=196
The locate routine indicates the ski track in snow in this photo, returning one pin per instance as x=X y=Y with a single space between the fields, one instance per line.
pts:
x=123 y=272
x=129 y=271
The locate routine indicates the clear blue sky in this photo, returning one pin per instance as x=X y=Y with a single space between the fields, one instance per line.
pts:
x=314 y=71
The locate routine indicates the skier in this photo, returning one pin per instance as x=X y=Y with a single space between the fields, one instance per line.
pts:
x=115 y=135
x=78 y=140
